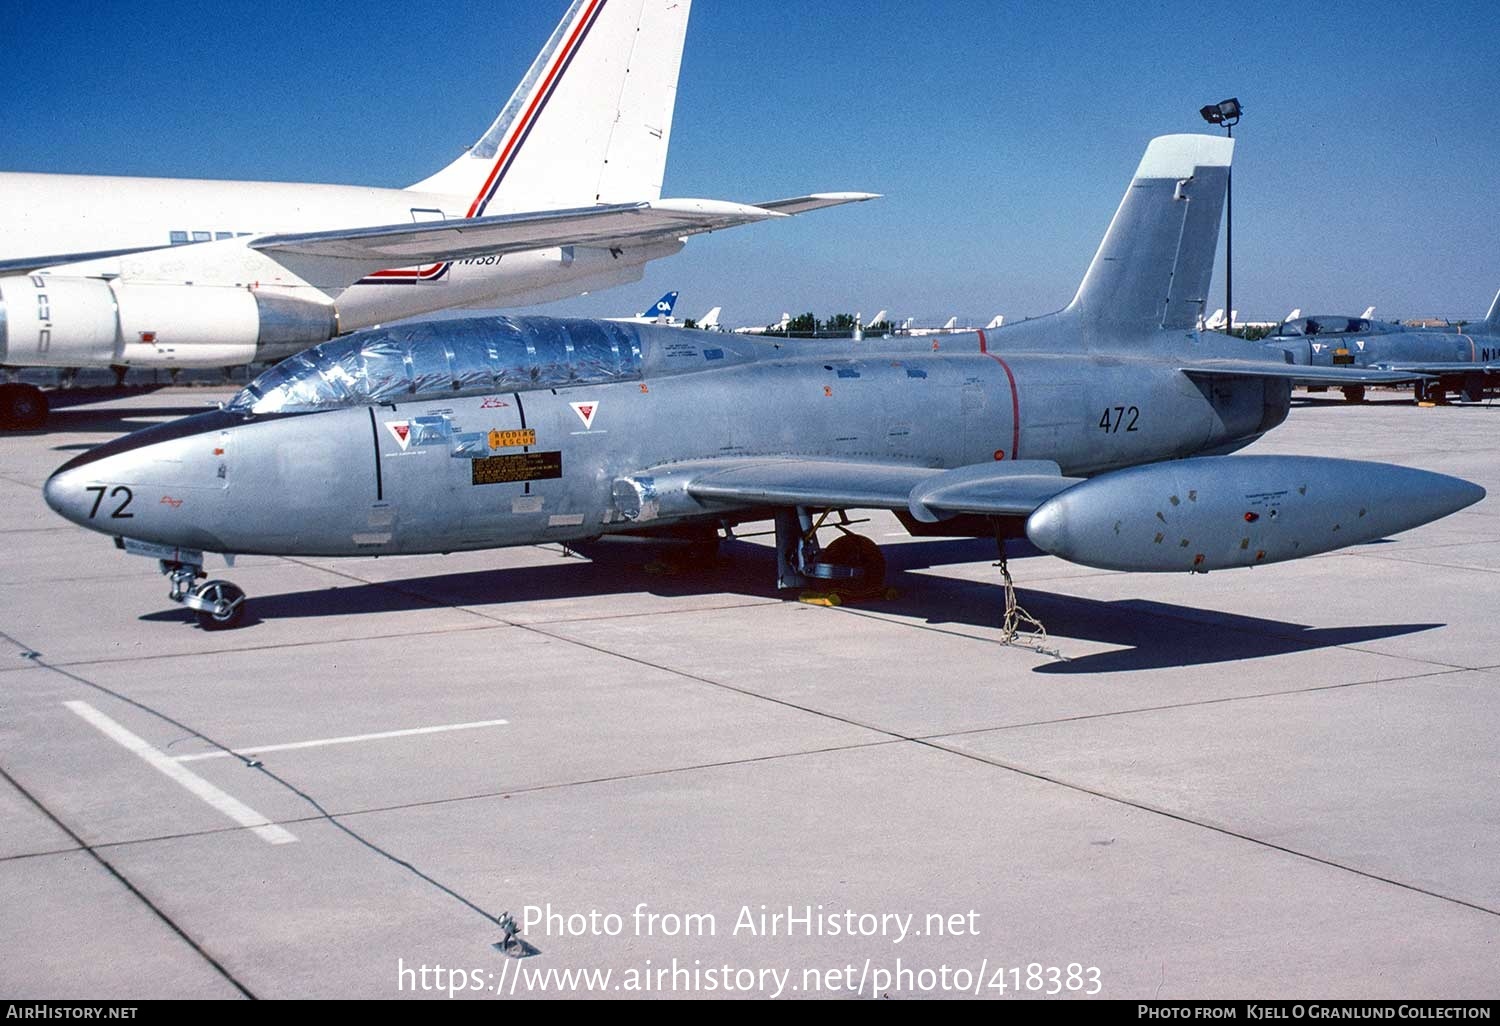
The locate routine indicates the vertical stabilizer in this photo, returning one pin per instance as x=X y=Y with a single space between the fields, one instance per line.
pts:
x=590 y=122
x=1491 y=323
x=1154 y=266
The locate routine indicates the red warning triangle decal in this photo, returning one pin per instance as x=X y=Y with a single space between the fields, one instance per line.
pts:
x=586 y=413
x=401 y=431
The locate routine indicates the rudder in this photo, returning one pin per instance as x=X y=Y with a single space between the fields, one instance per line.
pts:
x=1155 y=264
x=591 y=120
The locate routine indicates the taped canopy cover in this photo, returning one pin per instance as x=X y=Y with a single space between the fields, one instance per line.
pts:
x=441 y=359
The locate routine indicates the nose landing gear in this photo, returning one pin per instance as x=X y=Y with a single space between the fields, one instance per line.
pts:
x=218 y=605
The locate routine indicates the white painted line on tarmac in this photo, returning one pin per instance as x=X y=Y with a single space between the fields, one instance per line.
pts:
x=348 y=740
x=227 y=804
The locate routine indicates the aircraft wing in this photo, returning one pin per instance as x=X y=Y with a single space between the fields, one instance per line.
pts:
x=1297 y=372
x=817 y=201
x=995 y=489
x=26 y=265
x=619 y=224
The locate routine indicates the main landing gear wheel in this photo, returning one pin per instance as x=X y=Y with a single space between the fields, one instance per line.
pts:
x=860 y=553
x=22 y=407
x=1354 y=393
x=220 y=605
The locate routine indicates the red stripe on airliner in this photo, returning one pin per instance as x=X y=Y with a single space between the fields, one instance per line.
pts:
x=546 y=85
x=520 y=130
x=1015 y=398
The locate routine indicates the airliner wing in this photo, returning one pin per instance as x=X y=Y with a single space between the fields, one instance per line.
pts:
x=26 y=265
x=605 y=226
x=817 y=201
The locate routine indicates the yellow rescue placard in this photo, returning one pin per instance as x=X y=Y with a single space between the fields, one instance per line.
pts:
x=509 y=439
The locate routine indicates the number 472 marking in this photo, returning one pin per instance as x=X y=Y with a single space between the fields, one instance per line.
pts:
x=1111 y=425
x=119 y=490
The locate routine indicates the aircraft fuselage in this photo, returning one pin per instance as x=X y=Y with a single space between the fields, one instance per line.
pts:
x=85 y=214
x=404 y=477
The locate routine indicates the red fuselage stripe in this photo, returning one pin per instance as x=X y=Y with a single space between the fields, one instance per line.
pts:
x=1015 y=398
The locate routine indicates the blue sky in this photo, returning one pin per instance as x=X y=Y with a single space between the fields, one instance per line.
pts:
x=1002 y=134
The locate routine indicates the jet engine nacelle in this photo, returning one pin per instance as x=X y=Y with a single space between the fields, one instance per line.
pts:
x=51 y=321
x=1217 y=512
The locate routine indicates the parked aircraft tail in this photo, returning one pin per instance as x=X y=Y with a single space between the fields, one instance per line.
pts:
x=1491 y=323
x=1157 y=258
x=710 y=320
x=588 y=124
x=662 y=308
x=998 y=321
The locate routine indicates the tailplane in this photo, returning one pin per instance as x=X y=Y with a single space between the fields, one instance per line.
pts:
x=1154 y=266
x=589 y=123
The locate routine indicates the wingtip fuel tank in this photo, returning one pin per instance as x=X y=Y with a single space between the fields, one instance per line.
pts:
x=1217 y=512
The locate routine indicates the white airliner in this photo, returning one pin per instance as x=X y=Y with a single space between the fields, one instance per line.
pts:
x=562 y=195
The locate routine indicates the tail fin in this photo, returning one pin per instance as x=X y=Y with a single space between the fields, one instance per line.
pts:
x=591 y=120
x=878 y=318
x=662 y=308
x=1491 y=323
x=1369 y=312
x=1155 y=263
x=710 y=320
x=998 y=321
x=1293 y=314
x=951 y=325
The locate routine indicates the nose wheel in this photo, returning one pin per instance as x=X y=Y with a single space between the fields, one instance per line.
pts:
x=218 y=605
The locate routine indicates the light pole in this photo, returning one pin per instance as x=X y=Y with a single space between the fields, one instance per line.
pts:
x=1226 y=113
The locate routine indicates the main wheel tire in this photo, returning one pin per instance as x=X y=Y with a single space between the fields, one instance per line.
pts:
x=1354 y=393
x=229 y=605
x=22 y=407
x=855 y=550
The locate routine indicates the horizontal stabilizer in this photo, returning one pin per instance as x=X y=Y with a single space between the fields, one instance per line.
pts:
x=1295 y=372
x=1402 y=367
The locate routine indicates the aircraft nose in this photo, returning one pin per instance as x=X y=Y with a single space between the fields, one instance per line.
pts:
x=105 y=489
x=65 y=493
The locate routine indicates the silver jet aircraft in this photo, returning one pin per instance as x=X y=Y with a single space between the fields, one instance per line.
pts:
x=1099 y=433
x=1439 y=361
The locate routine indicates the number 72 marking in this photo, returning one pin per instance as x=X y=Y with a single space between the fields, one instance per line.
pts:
x=119 y=490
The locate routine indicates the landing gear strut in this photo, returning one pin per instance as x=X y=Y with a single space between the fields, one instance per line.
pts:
x=851 y=567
